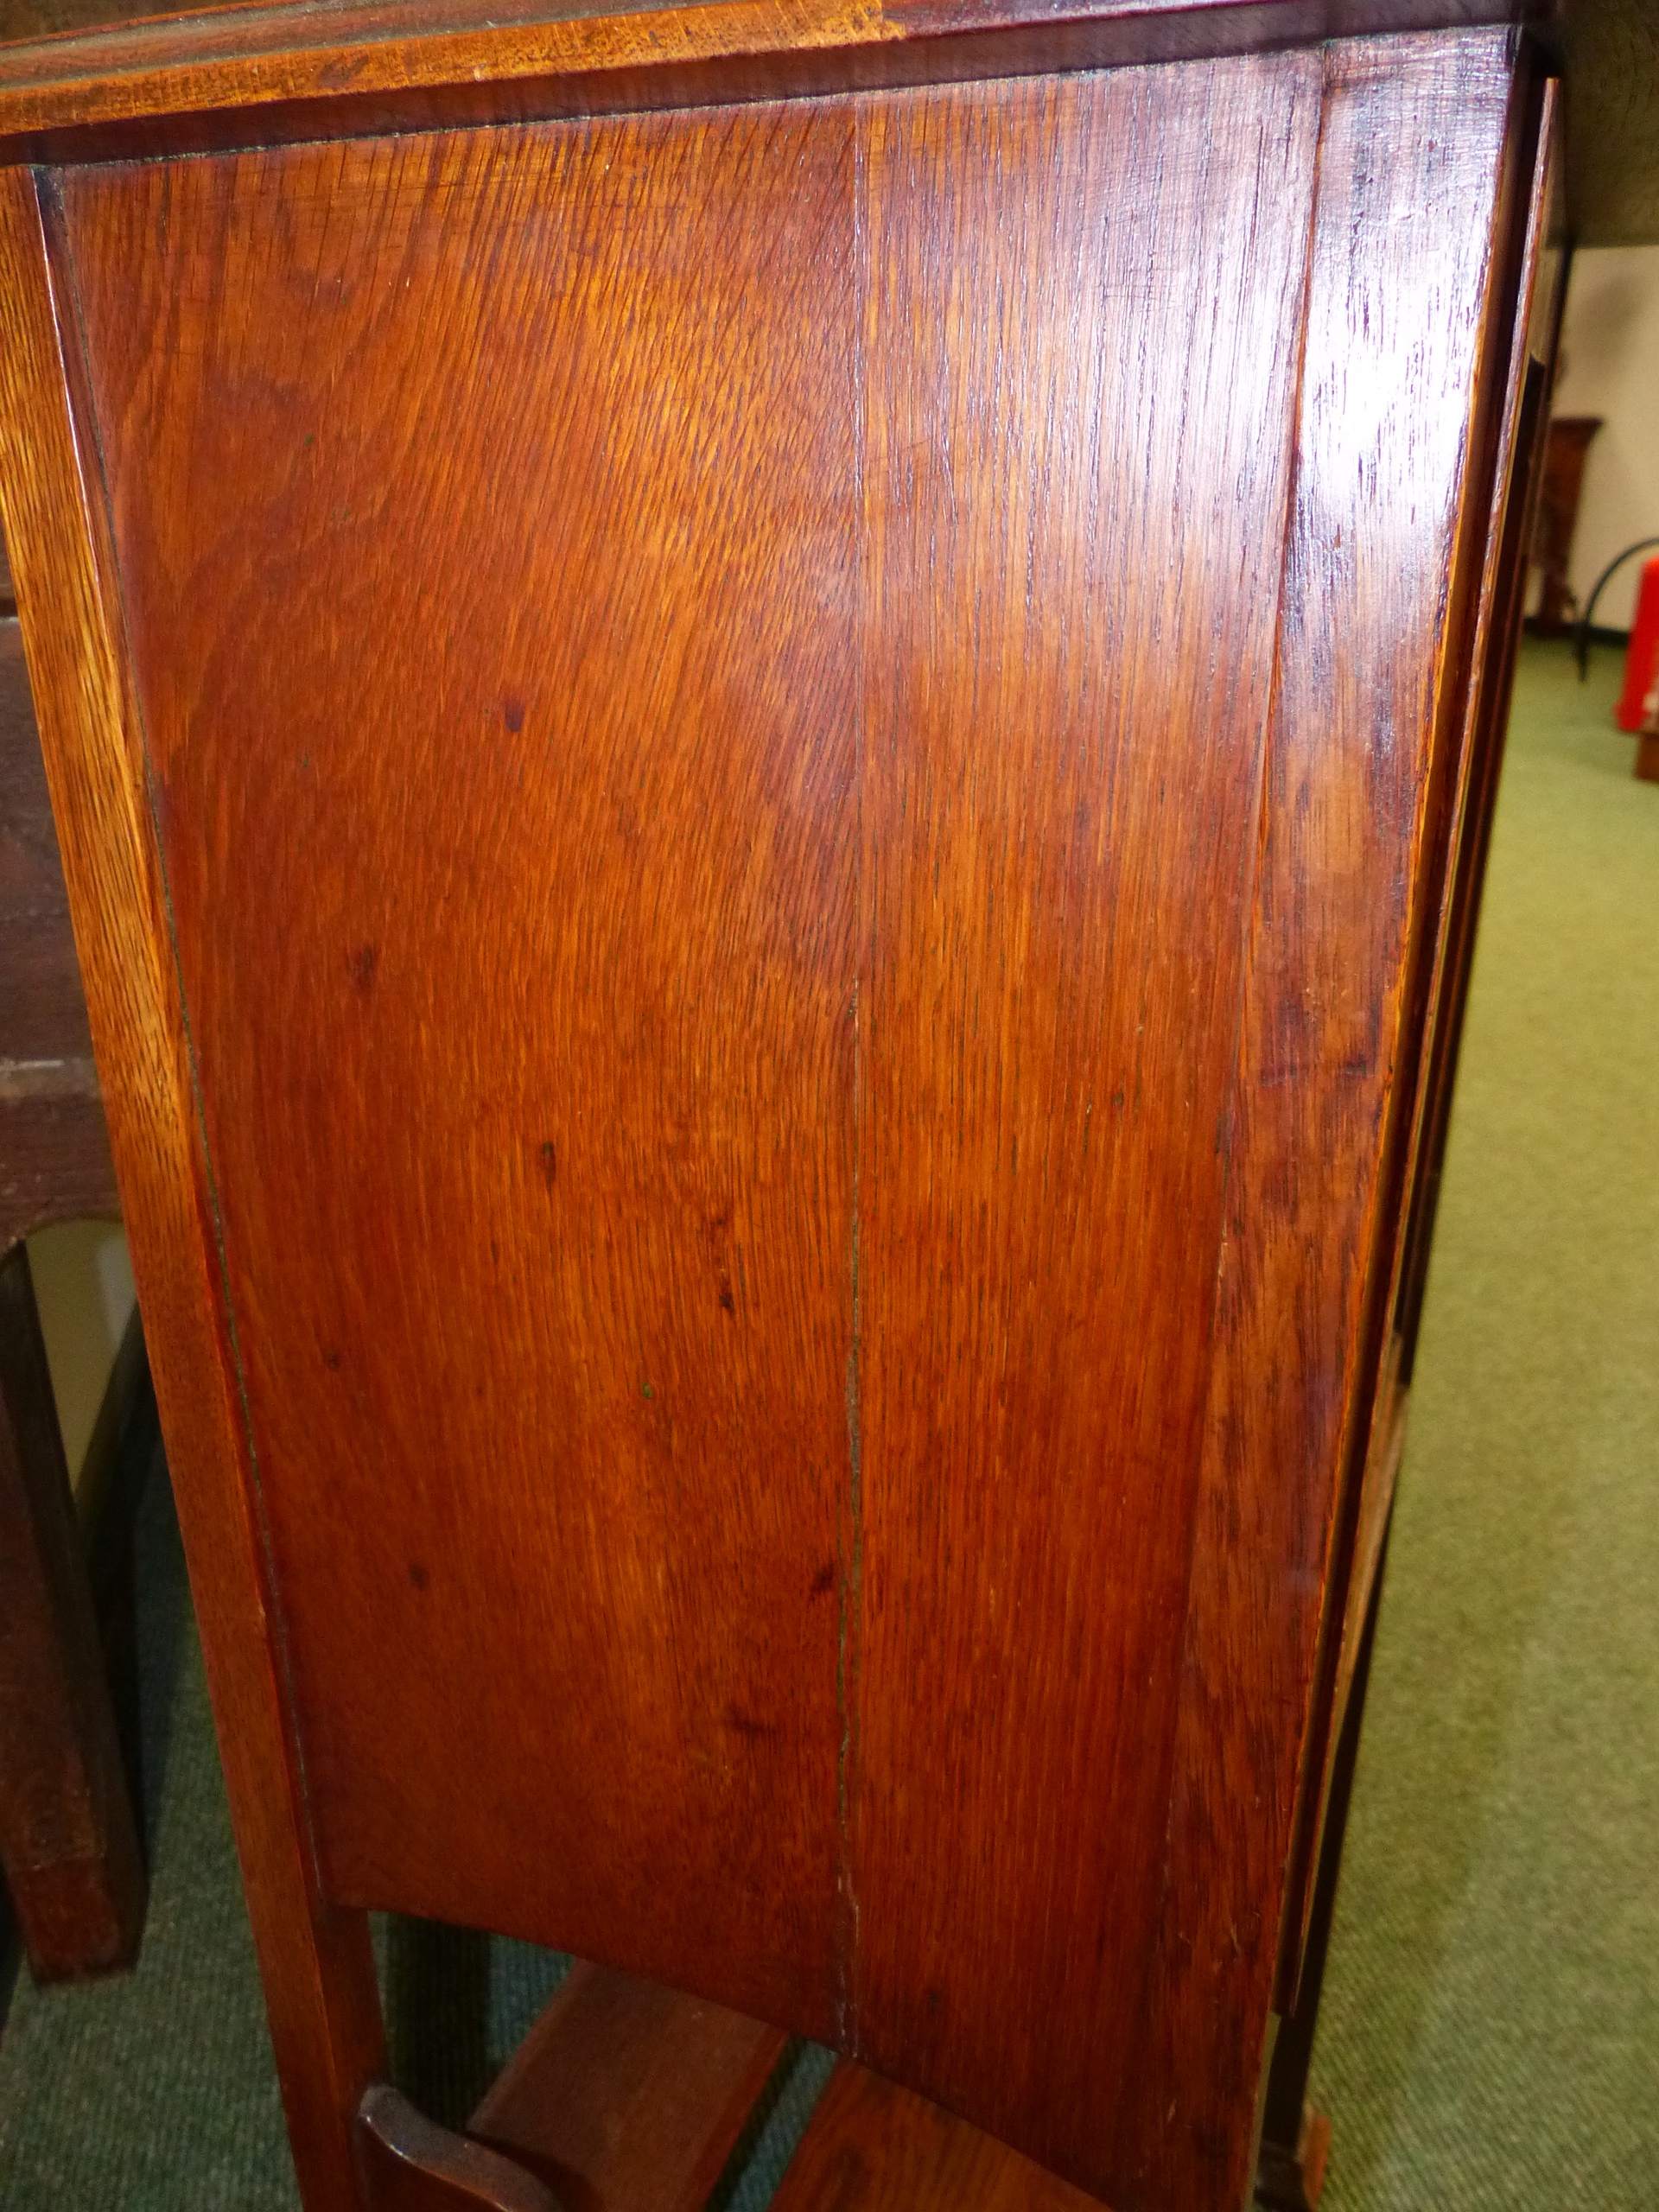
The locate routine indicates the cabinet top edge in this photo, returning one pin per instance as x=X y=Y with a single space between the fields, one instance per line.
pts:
x=105 y=83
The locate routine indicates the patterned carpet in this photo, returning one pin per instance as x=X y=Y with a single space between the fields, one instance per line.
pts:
x=1491 y=2027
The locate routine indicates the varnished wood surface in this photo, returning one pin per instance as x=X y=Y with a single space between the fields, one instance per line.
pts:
x=564 y=1006
x=870 y=2147
x=1503 y=473
x=1510 y=533
x=68 y=1841
x=831 y=1032
x=609 y=1333
x=305 y=71
x=64 y=63
x=405 y=2164
x=1047 y=1029
x=627 y=2097
x=316 y=1960
x=1357 y=745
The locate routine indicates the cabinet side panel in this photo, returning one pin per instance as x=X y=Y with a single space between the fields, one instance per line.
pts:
x=486 y=503
x=1384 y=559
x=1084 y=307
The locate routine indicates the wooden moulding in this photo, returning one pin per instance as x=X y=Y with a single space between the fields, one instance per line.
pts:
x=245 y=76
x=1472 y=709
x=317 y=1963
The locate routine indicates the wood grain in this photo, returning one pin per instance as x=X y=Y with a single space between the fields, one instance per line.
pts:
x=1059 y=820
x=1522 y=468
x=264 y=75
x=318 y=1968
x=1379 y=585
x=557 y=814
x=627 y=2097
x=870 y=2147
x=657 y=1258
x=713 y=781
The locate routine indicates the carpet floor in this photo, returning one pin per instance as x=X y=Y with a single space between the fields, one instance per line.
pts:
x=1491 y=2033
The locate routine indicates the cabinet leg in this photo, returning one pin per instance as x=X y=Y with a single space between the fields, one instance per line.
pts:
x=68 y=1840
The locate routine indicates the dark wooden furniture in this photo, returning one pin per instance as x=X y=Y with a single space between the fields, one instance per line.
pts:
x=69 y=1842
x=773 y=723
x=1567 y=449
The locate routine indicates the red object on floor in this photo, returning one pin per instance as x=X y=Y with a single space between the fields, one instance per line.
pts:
x=1641 y=659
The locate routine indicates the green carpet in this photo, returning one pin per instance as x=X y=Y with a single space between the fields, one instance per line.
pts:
x=1490 y=2034
x=1491 y=2027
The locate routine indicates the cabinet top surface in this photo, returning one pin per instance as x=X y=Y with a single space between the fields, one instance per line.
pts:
x=92 y=77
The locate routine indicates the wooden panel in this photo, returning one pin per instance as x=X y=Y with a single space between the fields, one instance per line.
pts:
x=546 y=769
x=1381 y=575
x=870 y=2147
x=586 y=1317
x=1060 y=794
x=627 y=2097
x=318 y=1967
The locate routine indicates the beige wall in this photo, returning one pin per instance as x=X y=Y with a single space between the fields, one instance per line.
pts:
x=83 y=1286
x=1610 y=344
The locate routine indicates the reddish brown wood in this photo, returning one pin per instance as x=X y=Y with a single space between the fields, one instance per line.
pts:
x=279 y=74
x=429 y=1812
x=406 y=2163
x=68 y=1839
x=1647 y=757
x=1058 y=910
x=671 y=764
x=1521 y=467
x=626 y=2097
x=1568 y=448
x=1506 y=458
x=67 y=1834
x=318 y=1967
x=1378 y=592
x=603 y=1345
x=870 y=2147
